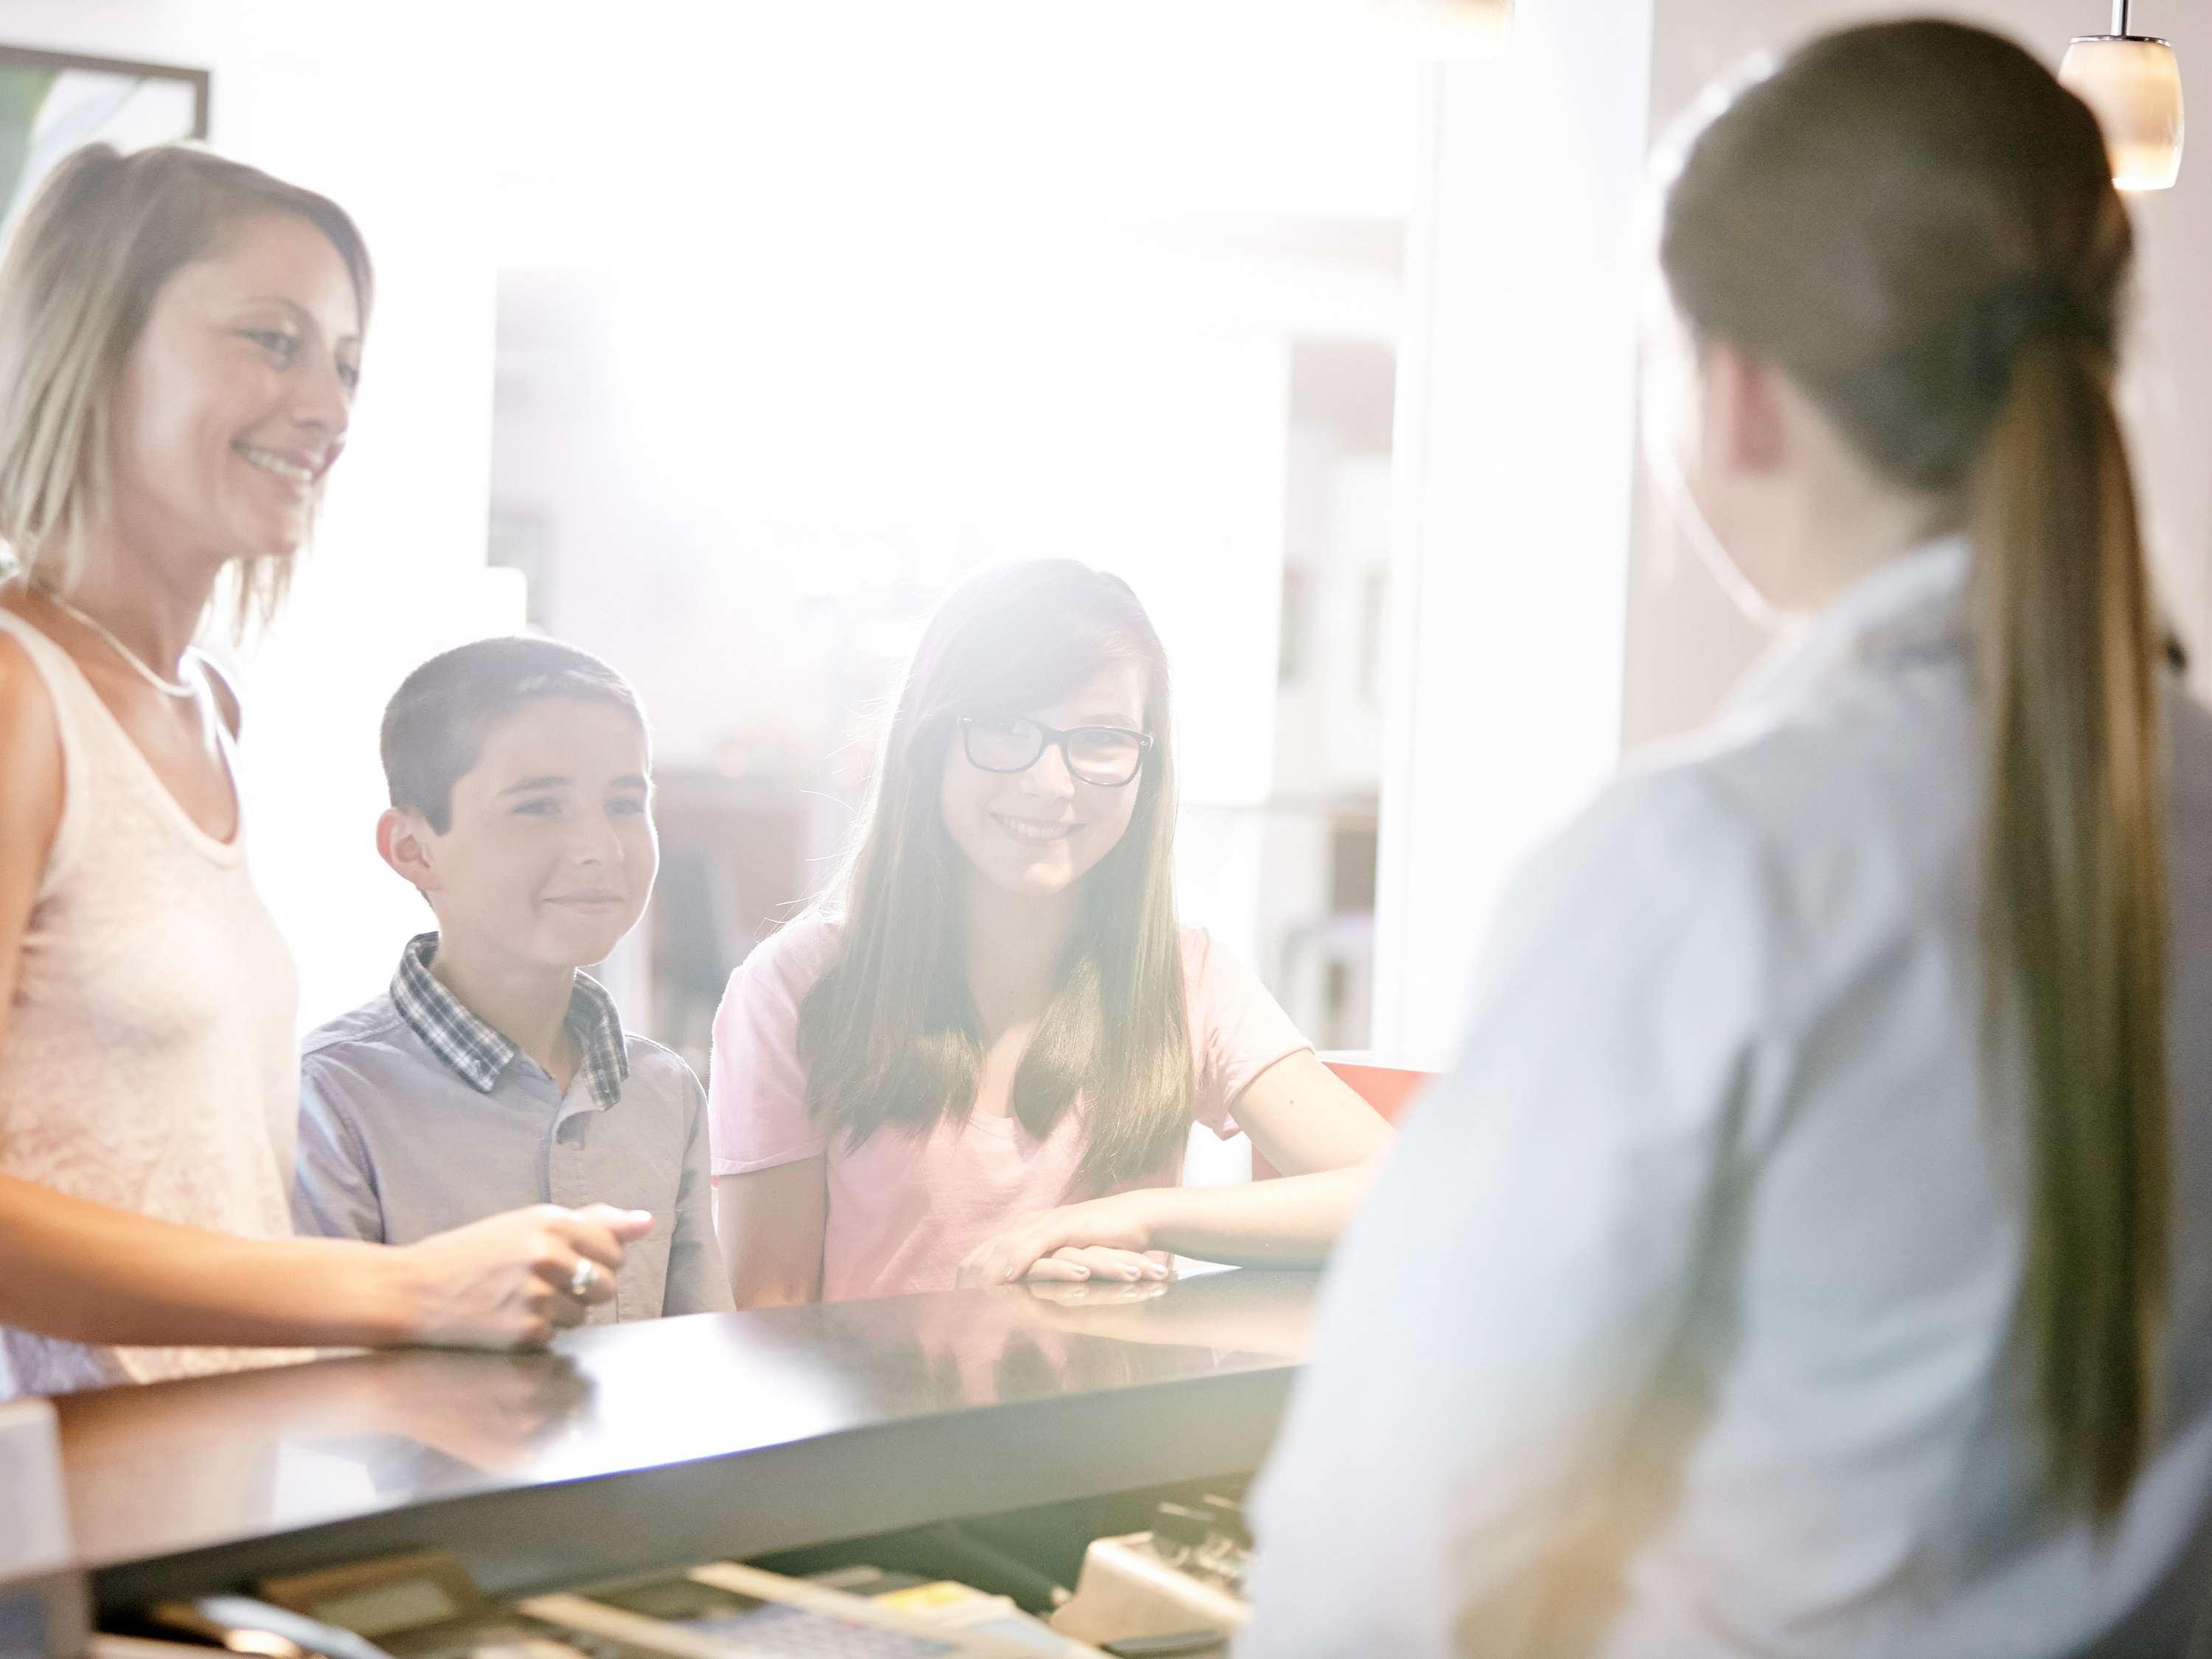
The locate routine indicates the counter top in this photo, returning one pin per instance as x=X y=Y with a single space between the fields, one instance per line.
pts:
x=632 y=1447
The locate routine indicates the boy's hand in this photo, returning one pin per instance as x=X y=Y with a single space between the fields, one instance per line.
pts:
x=511 y=1281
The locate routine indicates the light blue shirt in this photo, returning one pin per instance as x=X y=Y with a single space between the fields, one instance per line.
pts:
x=1680 y=1322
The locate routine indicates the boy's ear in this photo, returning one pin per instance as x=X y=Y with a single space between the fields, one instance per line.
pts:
x=403 y=841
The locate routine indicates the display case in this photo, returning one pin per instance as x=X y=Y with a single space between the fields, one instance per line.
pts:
x=638 y=1448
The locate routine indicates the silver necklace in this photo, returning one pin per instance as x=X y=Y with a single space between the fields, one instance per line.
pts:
x=167 y=688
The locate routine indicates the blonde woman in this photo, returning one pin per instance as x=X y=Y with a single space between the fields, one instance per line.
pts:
x=180 y=340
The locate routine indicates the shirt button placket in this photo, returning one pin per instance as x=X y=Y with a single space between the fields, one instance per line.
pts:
x=571 y=1187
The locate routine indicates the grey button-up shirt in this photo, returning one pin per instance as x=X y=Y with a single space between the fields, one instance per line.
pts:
x=416 y=1117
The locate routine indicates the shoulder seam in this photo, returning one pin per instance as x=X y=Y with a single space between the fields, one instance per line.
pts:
x=323 y=1037
x=658 y=1049
x=802 y=938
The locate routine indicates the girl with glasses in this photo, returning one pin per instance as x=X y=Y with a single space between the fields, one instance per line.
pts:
x=978 y=1060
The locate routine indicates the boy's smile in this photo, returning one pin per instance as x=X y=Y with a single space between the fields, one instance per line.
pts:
x=552 y=853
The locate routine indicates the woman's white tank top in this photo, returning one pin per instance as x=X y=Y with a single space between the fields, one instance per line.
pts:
x=148 y=1060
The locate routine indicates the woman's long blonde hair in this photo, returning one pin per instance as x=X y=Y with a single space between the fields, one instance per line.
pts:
x=1918 y=224
x=94 y=246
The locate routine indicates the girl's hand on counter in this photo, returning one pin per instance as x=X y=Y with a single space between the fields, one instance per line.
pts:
x=512 y=1280
x=1096 y=1264
x=1105 y=1239
x=1094 y=1293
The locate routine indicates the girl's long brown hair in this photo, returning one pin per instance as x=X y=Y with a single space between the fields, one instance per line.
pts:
x=888 y=1036
x=1916 y=223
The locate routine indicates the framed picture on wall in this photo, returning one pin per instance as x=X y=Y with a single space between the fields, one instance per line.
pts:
x=51 y=103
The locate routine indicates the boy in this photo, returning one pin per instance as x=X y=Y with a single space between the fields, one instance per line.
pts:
x=494 y=1073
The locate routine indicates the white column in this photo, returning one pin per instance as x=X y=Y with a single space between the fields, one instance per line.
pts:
x=397 y=571
x=1515 y=464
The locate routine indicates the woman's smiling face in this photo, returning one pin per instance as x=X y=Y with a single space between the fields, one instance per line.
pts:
x=234 y=399
x=1035 y=833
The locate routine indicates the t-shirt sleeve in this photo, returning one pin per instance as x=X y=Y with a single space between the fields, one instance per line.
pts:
x=334 y=1181
x=756 y=1088
x=1237 y=1029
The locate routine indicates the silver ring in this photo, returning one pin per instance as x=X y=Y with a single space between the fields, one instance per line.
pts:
x=581 y=1280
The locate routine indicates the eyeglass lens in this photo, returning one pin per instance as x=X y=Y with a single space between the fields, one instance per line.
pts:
x=1095 y=754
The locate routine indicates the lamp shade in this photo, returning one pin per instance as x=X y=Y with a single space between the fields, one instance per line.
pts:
x=2134 y=85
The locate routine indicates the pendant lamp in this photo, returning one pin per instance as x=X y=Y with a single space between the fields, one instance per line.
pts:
x=2133 y=82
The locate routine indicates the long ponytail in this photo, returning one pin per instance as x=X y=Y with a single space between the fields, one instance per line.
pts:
x=1918 y=224
x=2074 y=895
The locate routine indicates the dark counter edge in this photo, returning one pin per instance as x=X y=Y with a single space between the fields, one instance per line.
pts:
x=876 y=1478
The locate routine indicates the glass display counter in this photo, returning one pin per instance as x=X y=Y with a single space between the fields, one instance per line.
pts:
x=640 y=1448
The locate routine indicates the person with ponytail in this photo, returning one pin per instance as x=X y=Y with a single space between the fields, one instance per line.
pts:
x=979 y=1057
x=1812 y=1252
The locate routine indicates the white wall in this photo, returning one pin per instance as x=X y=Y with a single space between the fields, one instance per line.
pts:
x=380 y=116
x=1515 y=444
x=1549 y=611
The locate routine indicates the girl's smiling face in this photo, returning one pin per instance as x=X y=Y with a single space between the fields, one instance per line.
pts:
x=1034 y=834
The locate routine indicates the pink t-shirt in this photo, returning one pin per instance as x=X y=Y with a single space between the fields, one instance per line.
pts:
x=902 y=1211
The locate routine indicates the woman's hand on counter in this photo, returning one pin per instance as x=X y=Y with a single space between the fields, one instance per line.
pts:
x=92 y=1273
x=510 y=1281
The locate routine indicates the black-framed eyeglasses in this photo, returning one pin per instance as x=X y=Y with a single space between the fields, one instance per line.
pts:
x=1107 y=755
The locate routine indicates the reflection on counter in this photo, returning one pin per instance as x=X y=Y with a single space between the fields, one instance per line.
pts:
x=654 y=1444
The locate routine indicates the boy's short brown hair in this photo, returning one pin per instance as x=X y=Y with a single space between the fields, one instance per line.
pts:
x=435 y=723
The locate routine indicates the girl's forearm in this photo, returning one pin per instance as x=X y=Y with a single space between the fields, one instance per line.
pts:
x=1292 y=1222
x=89 y=1273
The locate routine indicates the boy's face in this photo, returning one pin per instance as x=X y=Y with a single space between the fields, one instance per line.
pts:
x=552 y=853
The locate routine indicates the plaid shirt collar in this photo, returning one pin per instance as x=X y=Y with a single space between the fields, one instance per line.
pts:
x=480 y=1054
